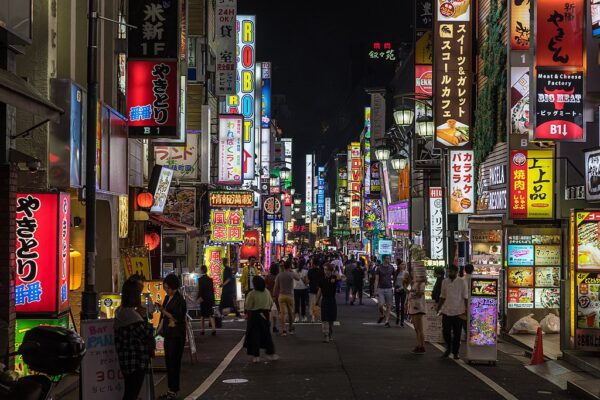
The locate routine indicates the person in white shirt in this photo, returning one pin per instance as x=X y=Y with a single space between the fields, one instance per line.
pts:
x=453 y=307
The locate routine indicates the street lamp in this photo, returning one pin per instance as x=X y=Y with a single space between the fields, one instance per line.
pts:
x=285 y=173
x=404 y=116
x=382 y=152
x=292 y=191
x=274 y=181
x=425 y=126
x=396 y=162
x=297 y=201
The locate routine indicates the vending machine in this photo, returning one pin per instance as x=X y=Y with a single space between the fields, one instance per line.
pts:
x=482 y=319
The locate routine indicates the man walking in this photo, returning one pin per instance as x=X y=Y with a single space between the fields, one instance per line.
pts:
x=284 y=287
x=349 y=274
x=358 y=277
x=384 y=289
x=315 y=275
x=453 y=307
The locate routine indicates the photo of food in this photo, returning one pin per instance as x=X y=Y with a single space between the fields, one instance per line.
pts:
x=588 y=245
x=520 y=277
x=547 y=276
x=453 y=133
x=547 y=255
x=454 y=10
x=547 y=298
x=520 y=298
x=181 y=206
x=520 y=254
x=484 y=287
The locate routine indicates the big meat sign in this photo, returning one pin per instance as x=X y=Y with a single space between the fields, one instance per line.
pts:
x=42 y=253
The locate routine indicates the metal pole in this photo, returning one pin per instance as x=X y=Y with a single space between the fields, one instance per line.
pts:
x=89 y=302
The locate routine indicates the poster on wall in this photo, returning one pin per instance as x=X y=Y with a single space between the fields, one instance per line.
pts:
x=520 y=298
x=373 y=215
x=592 y=175
x=520 y=277
x=587 y=243
x=559 y=33
x=43 y=222
x=531 y=184
x=230 y=149
x=519 y=102
x=453 y=10
x=559 y=105
x=520 y=25
x=462 y=182
x=547 y=255
x=547 y=298
x=547 y=276
x=520 y=254
x=181 y=206
x=588 y=312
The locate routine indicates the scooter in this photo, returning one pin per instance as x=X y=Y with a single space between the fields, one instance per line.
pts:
x=51 y=352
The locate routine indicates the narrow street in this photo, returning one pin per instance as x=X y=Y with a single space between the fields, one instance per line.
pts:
x=365 y=361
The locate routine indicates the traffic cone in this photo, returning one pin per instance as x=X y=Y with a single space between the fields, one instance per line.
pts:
x=537 y=357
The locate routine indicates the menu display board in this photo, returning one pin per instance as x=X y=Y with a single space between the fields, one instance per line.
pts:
x=520 y=277
x=483 y=321
x=547 y=255
x=520 y=298
x=587 y=244
x=520 y=254
x=484 y=287
x=588 y=301
x=547 y=298
x=547 y=276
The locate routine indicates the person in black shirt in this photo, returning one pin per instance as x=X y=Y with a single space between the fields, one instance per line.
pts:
x=358 y=280
x=437 y=287
x=326 y=297
x=206 y=298
x=314 y=275
x=228 y=295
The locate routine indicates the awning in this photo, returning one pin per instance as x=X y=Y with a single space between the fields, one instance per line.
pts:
x=19 y=93
x=177 y=226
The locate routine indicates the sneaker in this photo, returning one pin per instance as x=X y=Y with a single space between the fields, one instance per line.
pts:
x=326 y=338
x=380 y=320
x=296 y=320
x=446 y=354
x=255 y=360
x=272 y=357
x=456 y=357
x=387 y=325
x=168 y=396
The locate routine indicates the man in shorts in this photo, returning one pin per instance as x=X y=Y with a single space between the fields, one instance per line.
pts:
x=384 y=288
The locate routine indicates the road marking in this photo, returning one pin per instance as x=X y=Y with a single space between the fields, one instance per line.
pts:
x=238 y=380
x=497 y=388
x=216 y=373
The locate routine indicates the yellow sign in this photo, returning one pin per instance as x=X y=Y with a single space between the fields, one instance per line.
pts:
x=109 y=302
x=123 y=216
x=540 y=181
x=153 y=292
x=136 y=265
x=424 y=48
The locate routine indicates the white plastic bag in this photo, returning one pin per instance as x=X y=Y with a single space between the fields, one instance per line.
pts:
x=525 y=325
x=550 y=324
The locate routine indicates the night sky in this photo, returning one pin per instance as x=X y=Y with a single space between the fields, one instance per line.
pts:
x=319 y=55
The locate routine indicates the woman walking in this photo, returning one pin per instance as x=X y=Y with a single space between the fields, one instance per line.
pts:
x=417 y=309
x=172 y=328
x=258 y=334
x=300 y=293
x=206 y=298
x=134 y=339
x=326 y=296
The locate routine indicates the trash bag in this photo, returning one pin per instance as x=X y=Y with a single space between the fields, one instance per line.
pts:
x=550 y=324
x=525 y=325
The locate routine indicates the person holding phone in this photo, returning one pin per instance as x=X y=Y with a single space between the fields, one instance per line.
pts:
x=172 y=327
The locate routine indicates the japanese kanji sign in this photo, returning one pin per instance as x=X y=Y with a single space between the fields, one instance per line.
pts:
x=152 y=103
x=531 y=184
x=308 y=196
x=367 y=151
x=227 y=226
x=265 y=107
x=159 y=185
x=424 y=91
x=559 y=105
x=183 y=160
x=382 y=51
x=157 y=33
x=231 y=199
x=230 y=149
x=436 y=224
x=520 y=26
x=424 y=14
x=243 y=101
x=42 y=253
x=224 y=46
x=559 y=34
x=213 y=259
x=462 y=182
x=355 y=178
x=453 y=76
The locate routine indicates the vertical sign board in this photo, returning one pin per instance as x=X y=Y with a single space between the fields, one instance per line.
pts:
x=462 y=182
x=42 y=253
x=309 y=188
x=157 y=35
x=377 y=124
x=367 y=151
x=327 y=208
x=520 y=26
x=224 y=45
x=519 y=103
x=265 y=113
x=424 y=91
x=436 y=224
x=230 y=149
x=559 y=105
x=531 y=184
x=227 y=226
x=152 y=94
x=560 y=26
x=243 y=101
x=159 y=185
x=452 y=73
x=355 y=183
x=287 y=157
x=213 y=259
x=592 y=175
x=321 y=191
x=183 y=160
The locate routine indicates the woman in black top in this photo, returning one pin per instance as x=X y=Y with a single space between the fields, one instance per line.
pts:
x=172 y=328
x=228 y=295
x=327 y=290
x=206 y=298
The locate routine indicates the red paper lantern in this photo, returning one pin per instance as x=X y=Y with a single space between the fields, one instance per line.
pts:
x=151 y=240
x=145 y=199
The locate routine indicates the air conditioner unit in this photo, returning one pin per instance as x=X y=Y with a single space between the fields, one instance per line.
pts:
x=174 y=245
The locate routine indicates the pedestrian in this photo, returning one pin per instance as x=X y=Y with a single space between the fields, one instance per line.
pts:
x=338 y=267
x=326 y=300
x=249 y=271
x=372 y=271
x=270 y=285
x=134 y=339
x=384 y=288
x=453 y=307
x=314 y=275
x=437 y=286
x=172 y=328
x=358 y=281
x=400 y=291
x=206 y=298
x=300 y=293
x=417 y=307
x=228 y=293
x=257 y=306
x=349 y=267
x=284 y=287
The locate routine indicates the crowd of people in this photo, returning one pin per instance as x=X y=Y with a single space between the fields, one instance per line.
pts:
x=293 y=290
